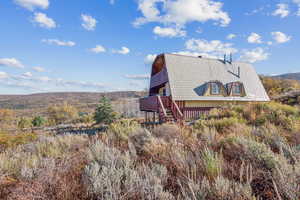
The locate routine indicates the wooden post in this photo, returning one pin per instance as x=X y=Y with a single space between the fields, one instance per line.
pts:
x=145 y=116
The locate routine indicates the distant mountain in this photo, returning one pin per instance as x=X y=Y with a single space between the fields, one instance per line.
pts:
x=292 y=76
x=43 y=100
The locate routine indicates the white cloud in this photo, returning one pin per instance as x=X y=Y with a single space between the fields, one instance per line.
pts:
x=298 y=4
x=38 y=69
x=88 y=22
x=59 y=42
x=11 y=62
x=65 y=83
x=138 y=76
x=296 y=1
x=43 y=79
x=282 y=10
x=196 y=54
x=150 y=58
x=27 y=82
x=27 y=74
x=254 y=55
x=230 y=36
x=44 y=21
x=98 y=49
x=20 y=85
x=280 y=37
x=33 y=4
x=180 y=12
x=123 y=50
x=3 y=75
x=254 y=38
x=257 y=10
x=212 y=48
x=169 y=32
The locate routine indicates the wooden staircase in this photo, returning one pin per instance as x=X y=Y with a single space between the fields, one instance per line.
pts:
x=169 y=111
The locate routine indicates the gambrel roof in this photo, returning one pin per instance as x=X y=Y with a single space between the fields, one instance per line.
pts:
x=188 y=76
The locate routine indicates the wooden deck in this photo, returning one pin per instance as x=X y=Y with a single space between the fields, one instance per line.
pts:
x=163 y=104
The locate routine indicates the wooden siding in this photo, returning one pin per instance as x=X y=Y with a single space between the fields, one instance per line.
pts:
x=149 y=104
x=159 y=78
x=209 y=104
x=191 y=110
x=193 y=113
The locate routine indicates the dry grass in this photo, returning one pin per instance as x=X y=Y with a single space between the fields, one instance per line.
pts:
x=232 y=154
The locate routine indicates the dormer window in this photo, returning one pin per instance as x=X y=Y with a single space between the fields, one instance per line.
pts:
x=215 y=89
x=236 y=89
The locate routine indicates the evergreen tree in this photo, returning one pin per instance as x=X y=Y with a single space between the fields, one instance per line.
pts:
x=104 y=113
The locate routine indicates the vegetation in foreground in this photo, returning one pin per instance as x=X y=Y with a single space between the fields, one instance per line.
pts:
x=238 y=153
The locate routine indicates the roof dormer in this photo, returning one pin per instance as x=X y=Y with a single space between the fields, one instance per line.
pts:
x=236 y=89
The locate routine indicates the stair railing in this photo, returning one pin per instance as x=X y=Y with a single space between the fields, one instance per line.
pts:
x=176 y=111
x=161 y=107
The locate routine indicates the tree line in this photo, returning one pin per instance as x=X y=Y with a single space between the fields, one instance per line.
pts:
x=60 y=114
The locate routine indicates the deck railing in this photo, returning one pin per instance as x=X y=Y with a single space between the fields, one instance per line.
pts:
x=193 y=113
x=162 y=104
x=149 y=104
x=176 y=111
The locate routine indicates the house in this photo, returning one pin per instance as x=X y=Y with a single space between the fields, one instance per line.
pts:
x=184 y=87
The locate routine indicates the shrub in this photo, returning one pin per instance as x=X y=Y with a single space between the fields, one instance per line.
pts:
x=140 y=138
x=13 y=140
x=86 y=118
x=167 y=132
x=112 y=175
x=221 y=125
x=24 y=123
x=286 y=179
x=212 y=164
x=7 y=118
x=122 y=129
x=62 y=114
x=38 y=121
x=25 y=161
x=248 y=150
x=226 y=112
x=222 y=188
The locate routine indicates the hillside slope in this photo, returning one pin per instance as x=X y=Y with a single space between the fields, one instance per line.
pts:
x=42 y=100
x=291 y=76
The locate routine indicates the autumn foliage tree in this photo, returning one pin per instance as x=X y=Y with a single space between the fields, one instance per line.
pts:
x=7 y=118
x=62 y=114
x=275 y=87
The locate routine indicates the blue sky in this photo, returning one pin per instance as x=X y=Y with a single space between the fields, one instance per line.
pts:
x=106 y=45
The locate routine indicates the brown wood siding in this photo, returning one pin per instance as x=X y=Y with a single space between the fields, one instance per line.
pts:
x=149 y=104
x=181 y=105
x=193 y=113
x=159 y=78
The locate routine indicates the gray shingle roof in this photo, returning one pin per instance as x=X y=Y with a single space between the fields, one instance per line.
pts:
x=187 y=75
